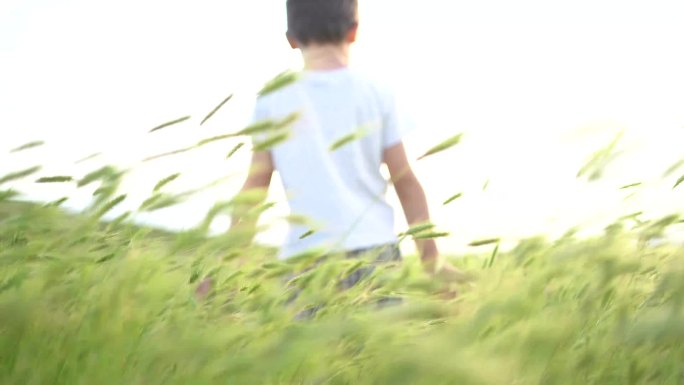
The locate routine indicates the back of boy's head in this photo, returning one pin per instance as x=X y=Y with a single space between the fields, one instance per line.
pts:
x=320 y=21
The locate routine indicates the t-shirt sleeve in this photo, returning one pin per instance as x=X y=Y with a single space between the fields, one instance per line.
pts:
x=396 y=121
x=260 y=114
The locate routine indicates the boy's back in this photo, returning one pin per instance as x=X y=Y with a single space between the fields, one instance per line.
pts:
x=334 y=182
x=340 y=187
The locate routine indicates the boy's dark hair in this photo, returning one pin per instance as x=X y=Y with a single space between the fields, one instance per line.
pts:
x=320 y=21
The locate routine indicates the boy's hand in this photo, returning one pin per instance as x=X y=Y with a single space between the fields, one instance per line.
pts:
x=450 y=274
x=445 y=271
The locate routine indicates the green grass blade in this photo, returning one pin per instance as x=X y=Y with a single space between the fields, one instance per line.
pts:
x=272 y=141
x=431 y=235
x=493 y=257
x=307 y=234
x=109 y=206
x=106 y=172
x=87 y=158
x=282 y=80
x=484 y=242
x=216 y=109
x=445 y=145
x=256 y=128
x=165 y=181
x=672 y=169
x=29 y=145
x=349 y=138
x=169 y=124
x=214 y=139
x=55 y=179
x=6 y=195
x=170 y=153
x=235 y=149
x=413 y=230
x=19 y=174
x=629 y=186
x=453 y=198
x=679 y=181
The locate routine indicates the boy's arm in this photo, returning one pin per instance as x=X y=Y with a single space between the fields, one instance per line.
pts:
x=412 y=198
x=259 y=178
x=414 y=203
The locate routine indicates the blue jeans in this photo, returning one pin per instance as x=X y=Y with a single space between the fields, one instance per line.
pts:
x=382 y=254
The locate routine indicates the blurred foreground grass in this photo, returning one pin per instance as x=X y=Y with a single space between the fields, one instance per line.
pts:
x=85 y=302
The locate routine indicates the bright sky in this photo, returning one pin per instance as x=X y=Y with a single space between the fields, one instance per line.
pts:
x=536 y=86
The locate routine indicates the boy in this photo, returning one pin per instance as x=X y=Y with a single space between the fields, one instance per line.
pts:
x=335 y=182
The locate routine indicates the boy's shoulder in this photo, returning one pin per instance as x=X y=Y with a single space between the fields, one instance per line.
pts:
x=372 y=96
x=288 y=85
x=378 y=84
x=371 y=81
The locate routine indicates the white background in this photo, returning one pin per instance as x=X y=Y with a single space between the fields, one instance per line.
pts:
x=536 y=86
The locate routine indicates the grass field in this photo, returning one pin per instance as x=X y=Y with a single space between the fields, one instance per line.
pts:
x=84 y=302
x=87 y=301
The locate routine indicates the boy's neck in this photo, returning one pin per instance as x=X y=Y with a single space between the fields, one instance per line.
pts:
x=321 y=57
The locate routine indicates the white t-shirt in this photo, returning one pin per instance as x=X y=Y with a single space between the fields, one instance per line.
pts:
x=341 y=191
